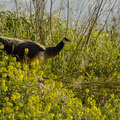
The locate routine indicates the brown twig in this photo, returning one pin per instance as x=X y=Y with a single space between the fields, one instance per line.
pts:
x=67 y=17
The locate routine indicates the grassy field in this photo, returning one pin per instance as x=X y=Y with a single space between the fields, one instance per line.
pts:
x=81 y=83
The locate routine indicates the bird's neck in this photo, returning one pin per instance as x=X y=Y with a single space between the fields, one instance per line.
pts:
x=59 y=46
x=53 y=51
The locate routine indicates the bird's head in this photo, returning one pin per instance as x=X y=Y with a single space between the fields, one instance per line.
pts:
x=65 y=40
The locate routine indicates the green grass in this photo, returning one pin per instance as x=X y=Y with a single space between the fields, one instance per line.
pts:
x=78 y=84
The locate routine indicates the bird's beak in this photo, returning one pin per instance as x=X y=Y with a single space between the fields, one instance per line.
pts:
x=67 y=40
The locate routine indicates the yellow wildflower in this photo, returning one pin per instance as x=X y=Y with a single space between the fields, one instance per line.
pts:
x=95 y=33
x=15 y=96
x=69 y=117
x=5 y=88
x=114 y=74
x=89 y=99
x=87 y=90
x=14 y=58
x=9 y=104
x=106 y=34
x=47 y=107
x=87 y=110
x=6 y=99
x=16 y=108
x=4 y=75
x=43 y=119
x=11 y=117
x=26 y=50
x=10 y=67
x=6 y=58
x=20 y=104
x=20 y=116
x=112 y=96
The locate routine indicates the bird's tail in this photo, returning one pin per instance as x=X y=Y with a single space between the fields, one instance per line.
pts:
x=3 y=40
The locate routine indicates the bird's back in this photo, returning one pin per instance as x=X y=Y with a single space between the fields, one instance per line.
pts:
x=33 y=49
x=10 y=43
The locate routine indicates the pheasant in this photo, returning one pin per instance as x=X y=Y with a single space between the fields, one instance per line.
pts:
x=17 y=48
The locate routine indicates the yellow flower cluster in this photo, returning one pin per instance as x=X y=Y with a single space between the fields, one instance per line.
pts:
x=15 y=96
x=22 y=98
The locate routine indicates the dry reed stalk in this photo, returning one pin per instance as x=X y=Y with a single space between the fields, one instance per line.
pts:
x=16 y=7
x=88 y=27
x=67 y=24
x=39 y=6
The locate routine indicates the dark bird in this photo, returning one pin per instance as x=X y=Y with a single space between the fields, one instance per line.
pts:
x=17 y=48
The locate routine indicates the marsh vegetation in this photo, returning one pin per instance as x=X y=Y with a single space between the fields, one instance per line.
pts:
x=81 y=83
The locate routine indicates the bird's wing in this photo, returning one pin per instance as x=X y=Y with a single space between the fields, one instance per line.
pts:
x=33 y=49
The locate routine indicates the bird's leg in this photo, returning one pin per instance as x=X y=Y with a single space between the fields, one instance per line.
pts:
x=40 y=80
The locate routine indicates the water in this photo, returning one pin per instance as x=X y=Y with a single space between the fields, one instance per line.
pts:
x=76 y=6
